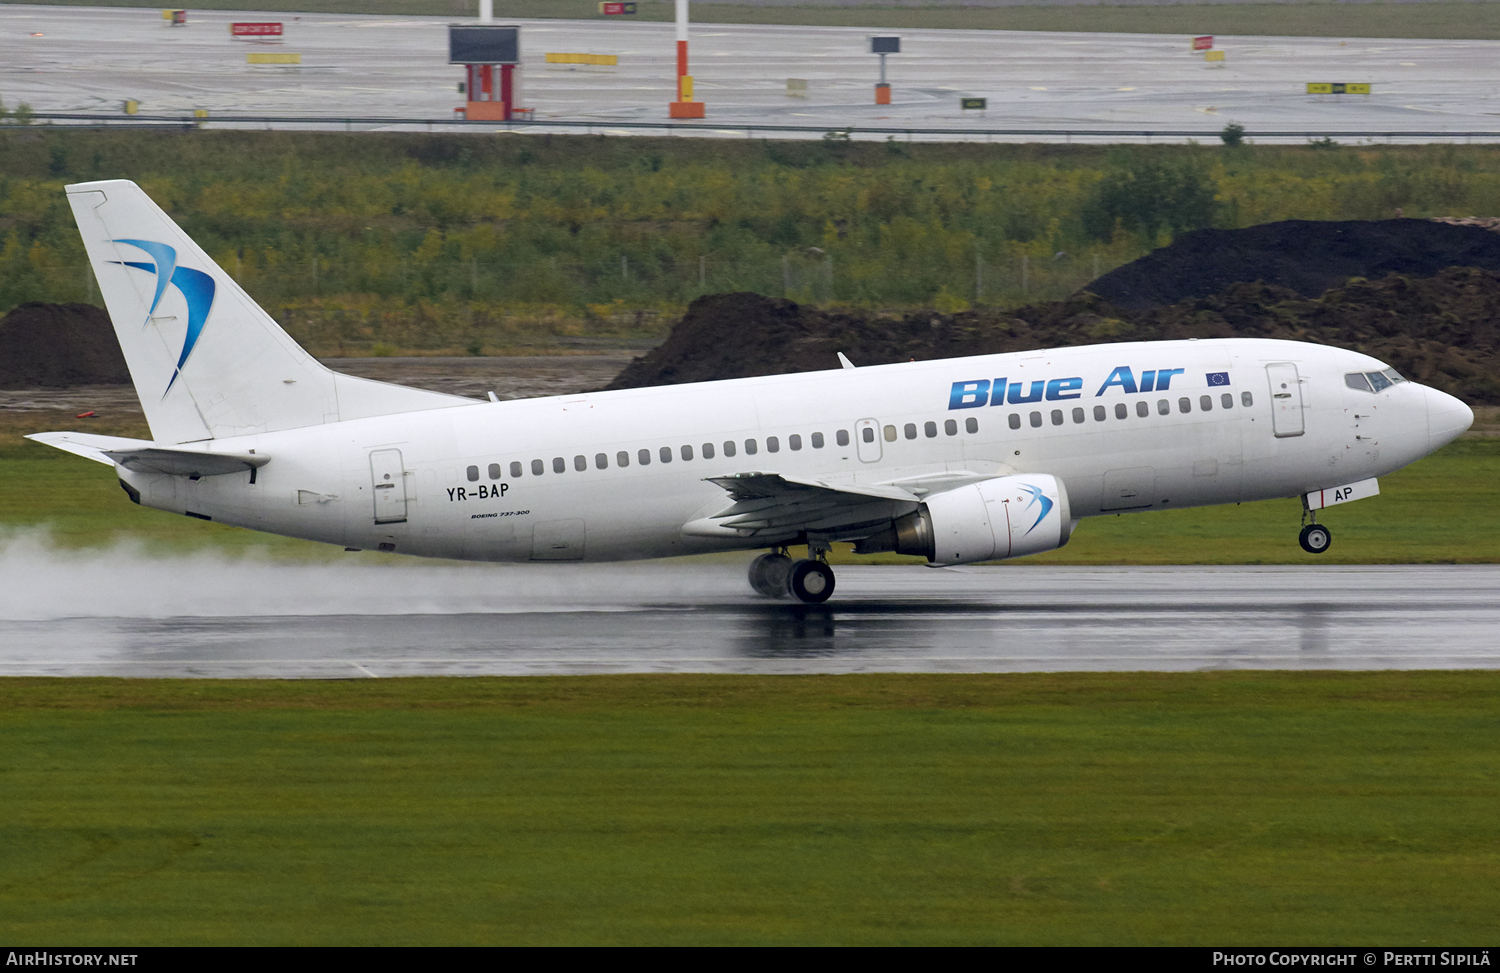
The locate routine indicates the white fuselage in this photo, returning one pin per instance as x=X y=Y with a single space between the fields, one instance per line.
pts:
x=522 y=480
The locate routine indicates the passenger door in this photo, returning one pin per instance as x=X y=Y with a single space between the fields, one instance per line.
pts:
x=388 y=477
x=1286 y=400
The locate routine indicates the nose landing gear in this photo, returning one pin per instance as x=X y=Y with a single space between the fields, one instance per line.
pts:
x=1315 y=538
x=775 y=575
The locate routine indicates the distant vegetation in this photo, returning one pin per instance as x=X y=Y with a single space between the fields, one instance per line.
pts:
x=370 y=242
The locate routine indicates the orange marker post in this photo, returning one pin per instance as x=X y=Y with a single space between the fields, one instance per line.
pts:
x=684 y=106
x=884 y=46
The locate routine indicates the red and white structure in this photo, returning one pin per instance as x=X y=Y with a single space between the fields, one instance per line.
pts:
x=684 y=106
x=490 y=54
x=255 y=30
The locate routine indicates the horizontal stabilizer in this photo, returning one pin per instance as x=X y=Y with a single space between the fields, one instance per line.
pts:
x=142 y=456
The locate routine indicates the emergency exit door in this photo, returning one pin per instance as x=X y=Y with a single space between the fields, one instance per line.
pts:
x=867 y=439
x=1286 y=400
x=388 y=478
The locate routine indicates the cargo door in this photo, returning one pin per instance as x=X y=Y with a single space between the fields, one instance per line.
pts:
x=867 y=438
x=1286 y=400
x=388 y=477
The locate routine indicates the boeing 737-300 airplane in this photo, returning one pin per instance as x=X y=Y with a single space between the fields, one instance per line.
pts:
x=959 y=460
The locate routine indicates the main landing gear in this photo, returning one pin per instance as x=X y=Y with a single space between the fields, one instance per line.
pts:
x=776 y=575
x=1315 y=538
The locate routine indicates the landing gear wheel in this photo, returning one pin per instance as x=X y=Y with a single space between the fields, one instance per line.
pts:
x=1315 y=538
x=768 y=574
x=810 y=582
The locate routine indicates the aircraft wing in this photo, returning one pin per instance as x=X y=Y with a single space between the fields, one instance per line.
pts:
x=777 y=504
x=144 y=456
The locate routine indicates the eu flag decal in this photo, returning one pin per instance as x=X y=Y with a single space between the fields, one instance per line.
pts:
x=1218 y=378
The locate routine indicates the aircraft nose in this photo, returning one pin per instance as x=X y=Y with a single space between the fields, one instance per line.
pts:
x=1447 y=418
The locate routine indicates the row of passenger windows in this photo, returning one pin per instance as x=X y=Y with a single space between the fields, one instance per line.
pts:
x=929 y=429
x=1142 y=409
x=643 y=457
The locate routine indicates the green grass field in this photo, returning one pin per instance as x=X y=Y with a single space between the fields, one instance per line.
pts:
x=1312 y=19
x=1211 y=808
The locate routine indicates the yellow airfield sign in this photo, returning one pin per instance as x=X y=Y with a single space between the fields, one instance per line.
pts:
x=1333 y=88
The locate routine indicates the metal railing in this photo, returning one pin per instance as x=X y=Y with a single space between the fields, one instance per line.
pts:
x=591 y=126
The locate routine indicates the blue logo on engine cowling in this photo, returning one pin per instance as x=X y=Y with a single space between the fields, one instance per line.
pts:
x=196 y=287
x=980 y=392
x=1037 y=496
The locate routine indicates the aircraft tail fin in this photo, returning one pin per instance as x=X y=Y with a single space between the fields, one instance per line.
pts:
x=206 y=361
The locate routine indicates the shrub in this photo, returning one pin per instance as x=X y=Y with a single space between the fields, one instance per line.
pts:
x=1143 y=194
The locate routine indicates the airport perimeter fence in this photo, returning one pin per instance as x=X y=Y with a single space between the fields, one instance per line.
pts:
x=625 y=287
x=806 y=277
x=726 y=128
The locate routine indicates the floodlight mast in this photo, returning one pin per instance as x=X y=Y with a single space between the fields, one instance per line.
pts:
x=684 y=106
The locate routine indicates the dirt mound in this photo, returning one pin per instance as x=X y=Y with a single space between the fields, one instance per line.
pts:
x=739 y=335
x=1440 y=330
x=59 y=345
x=1304 y=256
x=1443 y=331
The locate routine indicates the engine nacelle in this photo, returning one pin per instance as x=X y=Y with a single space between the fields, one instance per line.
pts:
x=1008 y=516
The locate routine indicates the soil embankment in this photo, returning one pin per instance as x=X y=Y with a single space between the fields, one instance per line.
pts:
x=1438 y=330
x=59 y=346
x=1421 y=295
x=1305 y=256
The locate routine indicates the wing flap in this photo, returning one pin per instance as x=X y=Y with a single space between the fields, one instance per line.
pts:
x=779 y=504
x=777 y=486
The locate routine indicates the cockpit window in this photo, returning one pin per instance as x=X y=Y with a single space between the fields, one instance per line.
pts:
x=1373 y=381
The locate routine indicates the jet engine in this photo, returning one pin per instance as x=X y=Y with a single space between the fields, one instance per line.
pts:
x=1008 y=516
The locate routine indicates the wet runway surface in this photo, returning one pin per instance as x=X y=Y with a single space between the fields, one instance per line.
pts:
x=260 y=619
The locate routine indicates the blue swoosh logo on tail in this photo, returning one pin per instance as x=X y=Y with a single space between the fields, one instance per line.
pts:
x=166 y=257
x=196 y=287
